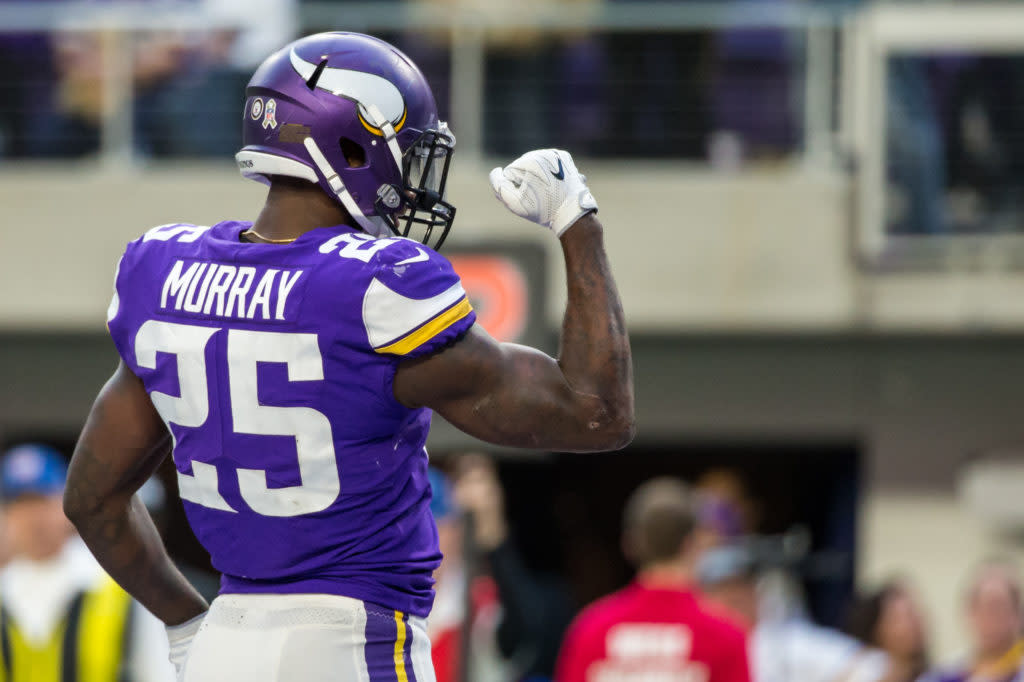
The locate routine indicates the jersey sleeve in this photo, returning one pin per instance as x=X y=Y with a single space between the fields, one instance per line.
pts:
x=116 y=313
x=414 y=304
x=135 y=280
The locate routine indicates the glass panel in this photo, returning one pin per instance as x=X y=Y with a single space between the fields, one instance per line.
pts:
x=955 y=144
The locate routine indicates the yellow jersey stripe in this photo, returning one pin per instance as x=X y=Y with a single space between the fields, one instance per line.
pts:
x=429 y=329
x=400 y=648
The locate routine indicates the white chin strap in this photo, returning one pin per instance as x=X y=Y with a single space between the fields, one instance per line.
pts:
x=388 y=130
x=375 y=227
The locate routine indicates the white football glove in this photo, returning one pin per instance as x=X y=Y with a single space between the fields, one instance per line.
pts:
x=180 y=639
x=544 y=187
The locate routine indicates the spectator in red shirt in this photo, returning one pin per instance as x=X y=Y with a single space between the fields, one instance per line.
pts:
x=656 y=628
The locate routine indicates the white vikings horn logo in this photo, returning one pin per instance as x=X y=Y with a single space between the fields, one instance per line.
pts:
x=360 y=87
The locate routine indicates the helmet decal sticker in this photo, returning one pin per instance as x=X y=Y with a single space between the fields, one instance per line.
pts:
x=294 y=133
x=270 y=115
x=359 y=87
x=257 y=109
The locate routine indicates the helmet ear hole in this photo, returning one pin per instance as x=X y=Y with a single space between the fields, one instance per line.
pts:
x=353 y=151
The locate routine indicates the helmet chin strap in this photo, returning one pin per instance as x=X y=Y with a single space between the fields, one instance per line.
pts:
x=338 y=187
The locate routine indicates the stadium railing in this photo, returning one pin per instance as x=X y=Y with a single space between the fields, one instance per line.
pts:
x=466 y=35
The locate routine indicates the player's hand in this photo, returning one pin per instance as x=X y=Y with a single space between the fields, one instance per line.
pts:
x=180 y=639
x=544 y=187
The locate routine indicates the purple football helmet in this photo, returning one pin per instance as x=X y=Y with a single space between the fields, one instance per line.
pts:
x=353 y=114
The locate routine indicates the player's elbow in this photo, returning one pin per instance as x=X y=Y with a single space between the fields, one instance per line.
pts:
x=623 y=420
x=622 y=431
x=79 y=508
x=614 y=428
x=73 y=508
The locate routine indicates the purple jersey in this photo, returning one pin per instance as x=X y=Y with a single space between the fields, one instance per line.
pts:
x=272 y=366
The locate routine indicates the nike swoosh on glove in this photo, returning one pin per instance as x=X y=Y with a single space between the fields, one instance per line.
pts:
x=544 y=187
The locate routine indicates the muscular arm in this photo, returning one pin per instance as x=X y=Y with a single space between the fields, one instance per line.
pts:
x=513 y=395
x=122 y=443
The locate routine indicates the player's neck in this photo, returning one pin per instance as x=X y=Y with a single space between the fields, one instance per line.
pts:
x=296 y=207
x=666 y=575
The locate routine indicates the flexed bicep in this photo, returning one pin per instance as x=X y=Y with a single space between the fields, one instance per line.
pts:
x=507 y=394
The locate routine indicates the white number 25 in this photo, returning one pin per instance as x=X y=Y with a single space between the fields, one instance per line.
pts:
x=318 y=471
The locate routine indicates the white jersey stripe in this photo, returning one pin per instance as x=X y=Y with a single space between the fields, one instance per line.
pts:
x=387 y=315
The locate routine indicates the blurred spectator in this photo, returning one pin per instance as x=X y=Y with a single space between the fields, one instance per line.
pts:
x=58 y=605
x=540 y=86
x=983 y=97
x=535 y=609
x=197 y=112
x=784 y=645
x=188 y=89
x=916 y=150
x=71 y=128
x=516 y=617
x=656 y=628
x=994 y=620
x=657 y=93
x=889 y=619
x=465 y=607
x=26 y=62
x=725 y=507
x=751 y=92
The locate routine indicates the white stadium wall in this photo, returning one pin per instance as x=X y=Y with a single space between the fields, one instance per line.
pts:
x=758 y=251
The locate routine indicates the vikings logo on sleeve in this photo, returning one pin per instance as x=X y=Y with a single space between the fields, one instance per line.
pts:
x=401 y=320
x=399 y=325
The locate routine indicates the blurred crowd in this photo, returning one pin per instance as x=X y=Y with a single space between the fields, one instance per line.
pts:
x=646 y=94
x=956 y=161
x=185 y=88
x=710 y=599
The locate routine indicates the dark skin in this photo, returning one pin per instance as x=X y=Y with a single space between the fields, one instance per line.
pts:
x=123 y=442
x=502 y=393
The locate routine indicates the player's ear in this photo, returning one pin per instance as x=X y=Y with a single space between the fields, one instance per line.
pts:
x=353 y=151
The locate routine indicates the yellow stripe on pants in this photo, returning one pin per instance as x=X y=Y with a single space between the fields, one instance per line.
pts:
x=400 y=648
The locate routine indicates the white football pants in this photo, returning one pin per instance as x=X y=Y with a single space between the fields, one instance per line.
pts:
x=307 y=638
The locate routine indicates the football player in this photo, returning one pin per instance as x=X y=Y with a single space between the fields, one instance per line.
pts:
x=291 y=364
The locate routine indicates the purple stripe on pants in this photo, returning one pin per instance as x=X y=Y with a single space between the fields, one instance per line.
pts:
x=381 y=632
x=407 y=652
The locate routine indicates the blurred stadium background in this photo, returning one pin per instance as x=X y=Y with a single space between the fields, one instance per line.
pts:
x=813 y=210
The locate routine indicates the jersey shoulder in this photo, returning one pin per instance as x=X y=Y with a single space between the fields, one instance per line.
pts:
x=161 y=240
x=414 y=303
x=140 y=269
x=168 y=236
